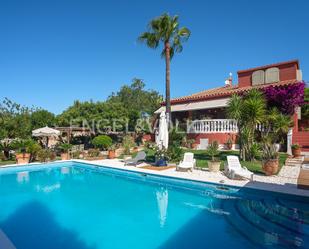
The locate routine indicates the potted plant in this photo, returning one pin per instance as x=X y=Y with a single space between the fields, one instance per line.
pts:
x=102 y=142
x=22 y=154
x=127 y=143
x=33 y=148
x=112 y=151
x=229 y=144
x=147 y=137
x=161 y=156
x=212 y=151
x=270 y=159
x=77 y=154
x=296 y=150
x=190 y=143
x=93 y=154
x=65 y=148
x=46 y=155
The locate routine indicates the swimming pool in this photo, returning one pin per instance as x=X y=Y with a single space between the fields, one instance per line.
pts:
x=79 y=206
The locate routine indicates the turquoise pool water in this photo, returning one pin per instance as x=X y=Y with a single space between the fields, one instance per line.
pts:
x=78 y=206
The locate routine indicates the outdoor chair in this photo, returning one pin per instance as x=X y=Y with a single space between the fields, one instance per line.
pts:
x=140 y=157
x=188 y=162
x=233 y=169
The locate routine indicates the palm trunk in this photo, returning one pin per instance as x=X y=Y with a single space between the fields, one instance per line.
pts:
x=167 y=81
x=242 y=153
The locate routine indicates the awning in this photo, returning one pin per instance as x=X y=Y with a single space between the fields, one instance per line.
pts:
x=209 y=104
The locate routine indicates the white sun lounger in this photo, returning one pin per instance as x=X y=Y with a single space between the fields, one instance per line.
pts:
x=188 y=162
x=234 y=169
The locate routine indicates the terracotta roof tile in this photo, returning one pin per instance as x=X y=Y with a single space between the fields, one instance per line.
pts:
x=225 y=91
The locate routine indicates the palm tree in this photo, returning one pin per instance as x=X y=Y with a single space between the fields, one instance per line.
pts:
x=248 y=111
x=165 y=29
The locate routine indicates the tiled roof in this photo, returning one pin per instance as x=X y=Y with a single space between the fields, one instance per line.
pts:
x=225 y=91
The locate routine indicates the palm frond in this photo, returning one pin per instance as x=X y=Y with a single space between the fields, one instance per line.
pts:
x=165 y=29
x=184 y=33
x=234 y=107
x=150 y=39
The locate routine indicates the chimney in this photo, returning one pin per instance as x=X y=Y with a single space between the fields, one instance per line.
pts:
x=229 y=81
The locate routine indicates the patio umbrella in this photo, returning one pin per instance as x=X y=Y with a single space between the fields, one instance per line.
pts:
x=162 y=200
x=162 y=140
x=45 y=132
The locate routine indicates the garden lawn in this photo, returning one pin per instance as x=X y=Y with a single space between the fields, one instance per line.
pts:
x=256 y=166
x=202 y=159
x=2 y=163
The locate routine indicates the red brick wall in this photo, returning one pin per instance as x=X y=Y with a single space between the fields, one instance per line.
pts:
x=287 y=72
x=300 y=137
x=244 y=79
x=221 y=138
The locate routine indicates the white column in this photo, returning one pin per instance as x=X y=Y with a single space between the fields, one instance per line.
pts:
x=289 y=141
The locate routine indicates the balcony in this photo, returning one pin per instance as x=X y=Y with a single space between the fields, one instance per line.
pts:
x=212 y=126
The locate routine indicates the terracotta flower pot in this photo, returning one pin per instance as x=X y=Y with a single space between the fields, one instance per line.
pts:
x=111 y=154
x=22 y=158
x=296 y=152
x=271 y=167
x=65 y=156
x=147 y=137
x=214 y=166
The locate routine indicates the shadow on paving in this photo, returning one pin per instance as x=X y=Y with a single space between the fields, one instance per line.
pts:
x=33 y=227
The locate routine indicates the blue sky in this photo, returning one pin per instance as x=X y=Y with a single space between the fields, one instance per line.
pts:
x=87 y=49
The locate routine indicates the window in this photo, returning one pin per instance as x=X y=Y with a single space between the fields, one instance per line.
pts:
x=258 y=77
x=272 y=75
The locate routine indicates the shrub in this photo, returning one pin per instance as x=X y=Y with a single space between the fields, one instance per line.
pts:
x=255 y=151
x=176 y=136
x=127 y=143
x=33 y=148
x=213 y=150
x=93 y=153
x=175 y=153
x=2 y=156
x=102 y=142
x=76 y=154
x=43 y=155
x=65 y=147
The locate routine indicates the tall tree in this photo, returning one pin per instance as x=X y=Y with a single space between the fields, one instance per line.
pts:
x=41 y=118
x=136 y=98
x=165 y=29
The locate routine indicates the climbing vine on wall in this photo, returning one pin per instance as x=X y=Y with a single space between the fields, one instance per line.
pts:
x=285 y=98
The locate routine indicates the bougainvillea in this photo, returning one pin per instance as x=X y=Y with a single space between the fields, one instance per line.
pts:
x=285 y=98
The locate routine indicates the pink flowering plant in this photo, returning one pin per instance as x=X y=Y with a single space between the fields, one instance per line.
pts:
x=285 y=98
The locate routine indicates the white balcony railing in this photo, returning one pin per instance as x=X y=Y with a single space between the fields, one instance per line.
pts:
x=212 y=126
